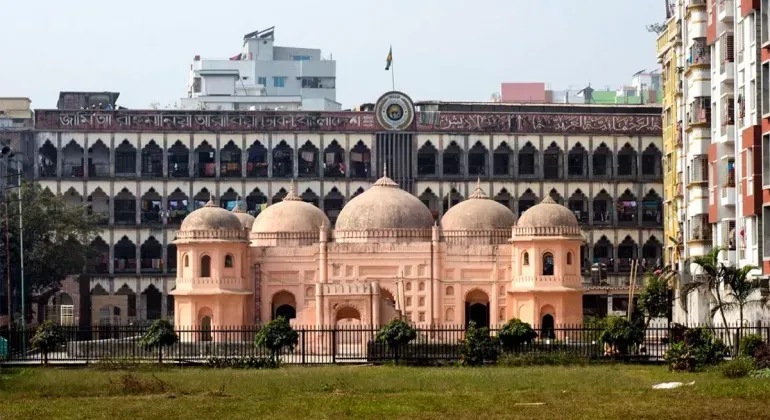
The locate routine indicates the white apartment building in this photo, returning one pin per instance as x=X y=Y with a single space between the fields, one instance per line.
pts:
x=263 y=76
x=712 y=55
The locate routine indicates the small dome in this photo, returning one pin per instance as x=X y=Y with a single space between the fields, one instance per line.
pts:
x=210 y=217
x=290 y=215
x=384 y=206
x=478 y=212
x=247 y=220
x=547 y=214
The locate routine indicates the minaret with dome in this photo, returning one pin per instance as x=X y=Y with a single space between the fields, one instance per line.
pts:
x=386 y=257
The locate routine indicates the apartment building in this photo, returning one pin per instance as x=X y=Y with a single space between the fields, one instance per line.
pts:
x=713 y=81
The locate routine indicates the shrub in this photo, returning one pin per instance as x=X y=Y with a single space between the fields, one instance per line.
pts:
x=396 y=335
x=697 y=349
x=555 y=358
x=749 y=344
x=515 y=333
x=739 y=367
x=762 y=356
x=250 y=362
x=761 y=373
x=276 y=335
x=622 y=335
x=160 y=334
x=47 y=338
x=478 y=347
x=131 y=384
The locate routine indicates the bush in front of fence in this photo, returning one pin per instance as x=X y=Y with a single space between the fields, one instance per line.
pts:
x=749 y=344
x=160 y=334
x=516 y=333
x=277 y=335
x=697 y=350
x=47 y=338
x=478 y=347
x=396 y=335
x=621 y=336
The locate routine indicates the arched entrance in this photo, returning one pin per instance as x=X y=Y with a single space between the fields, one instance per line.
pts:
x=477 y=308
x=284 y=304
x=349 y=342
x=547 y=322
x=205 y=320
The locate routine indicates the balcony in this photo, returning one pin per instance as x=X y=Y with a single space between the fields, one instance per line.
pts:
x=725 y=11
x=663 y=44
x=727 y=197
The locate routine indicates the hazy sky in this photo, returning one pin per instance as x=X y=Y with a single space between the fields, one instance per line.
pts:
x=442 y=49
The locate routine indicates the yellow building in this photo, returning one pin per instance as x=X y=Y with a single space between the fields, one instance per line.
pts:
x=669 y=52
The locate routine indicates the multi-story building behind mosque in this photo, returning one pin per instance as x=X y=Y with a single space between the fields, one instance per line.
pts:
x=144 y=171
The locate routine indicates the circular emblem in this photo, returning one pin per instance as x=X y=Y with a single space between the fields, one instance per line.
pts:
x=394 y=111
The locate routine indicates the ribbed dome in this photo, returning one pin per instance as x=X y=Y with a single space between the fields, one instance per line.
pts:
x=478 y=212
x=290 y=215
x=384 y=206
x=247 y=220
x=210 y=217
x=547 y=214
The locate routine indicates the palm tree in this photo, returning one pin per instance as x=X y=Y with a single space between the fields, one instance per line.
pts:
x=711 y=278
x=741 y=289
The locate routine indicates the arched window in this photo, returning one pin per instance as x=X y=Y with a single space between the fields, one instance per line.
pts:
x=525 y=258
x=569 y=258
x=547 y=264
x=186 y=260
x=408 y=286
x=450 y=291
x=205 y=266
x=228 y=261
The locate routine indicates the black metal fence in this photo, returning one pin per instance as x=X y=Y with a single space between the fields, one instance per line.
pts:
x=326 y=345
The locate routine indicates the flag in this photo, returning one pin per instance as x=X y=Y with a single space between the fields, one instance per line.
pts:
x=235 y=57
x=389 y=60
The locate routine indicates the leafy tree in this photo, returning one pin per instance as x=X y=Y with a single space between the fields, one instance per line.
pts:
x=622 y=335
x=515 y=333
x=160 y=334
x=655 y=298
x=57 y=238
x=656 y=28
x=276 y=335
x=478 y=346
x=709 y=279
x=740 y=289
x=47 y=338
x=396 y=334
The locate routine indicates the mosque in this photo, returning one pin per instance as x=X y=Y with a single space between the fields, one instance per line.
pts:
x=385 y=258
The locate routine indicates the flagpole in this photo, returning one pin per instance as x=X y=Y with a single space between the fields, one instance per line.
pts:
x=392 y=75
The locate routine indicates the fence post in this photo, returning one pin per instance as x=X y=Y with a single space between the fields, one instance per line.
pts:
x=736 y=343
x=304 y=334
x=758 y=327
x=334 y=344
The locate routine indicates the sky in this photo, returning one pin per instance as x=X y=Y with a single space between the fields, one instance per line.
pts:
x=442 y=49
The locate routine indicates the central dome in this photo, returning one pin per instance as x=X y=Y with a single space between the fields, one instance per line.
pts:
x=384 y=206
x=547 y=214
x=478 y=212
x=210 y=218
x=291 y=215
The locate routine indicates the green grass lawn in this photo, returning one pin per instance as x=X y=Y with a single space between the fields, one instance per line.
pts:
x=334 y=392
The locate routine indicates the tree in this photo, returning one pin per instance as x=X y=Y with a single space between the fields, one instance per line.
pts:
x=57 y=238
x=740 y=289
x=655 y=298
x=710 y=279
x=276 y=335
x=47 y=338
x=160 y=334
x=396 y=334
x=622 y=335
x=656 y=28
x=515 y=333
x=478 y=346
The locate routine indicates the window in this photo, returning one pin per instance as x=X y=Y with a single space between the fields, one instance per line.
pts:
x=525 y=259
x=750 y=171
x=228 y=261
x=261 y=80
x=421 y=301
x=279 y=81
x=408 y=286
x=699 y=169
x=408 y=301
x=450 y=291
x=300 y=57
x=547 y=264
x=765 y=88
x=205 y=266
x=765 y=159
x=569 y=258
x=421 y=286
x=186 y=260
x=421 y=316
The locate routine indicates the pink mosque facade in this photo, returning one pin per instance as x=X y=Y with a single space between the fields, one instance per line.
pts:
x=385 y=258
